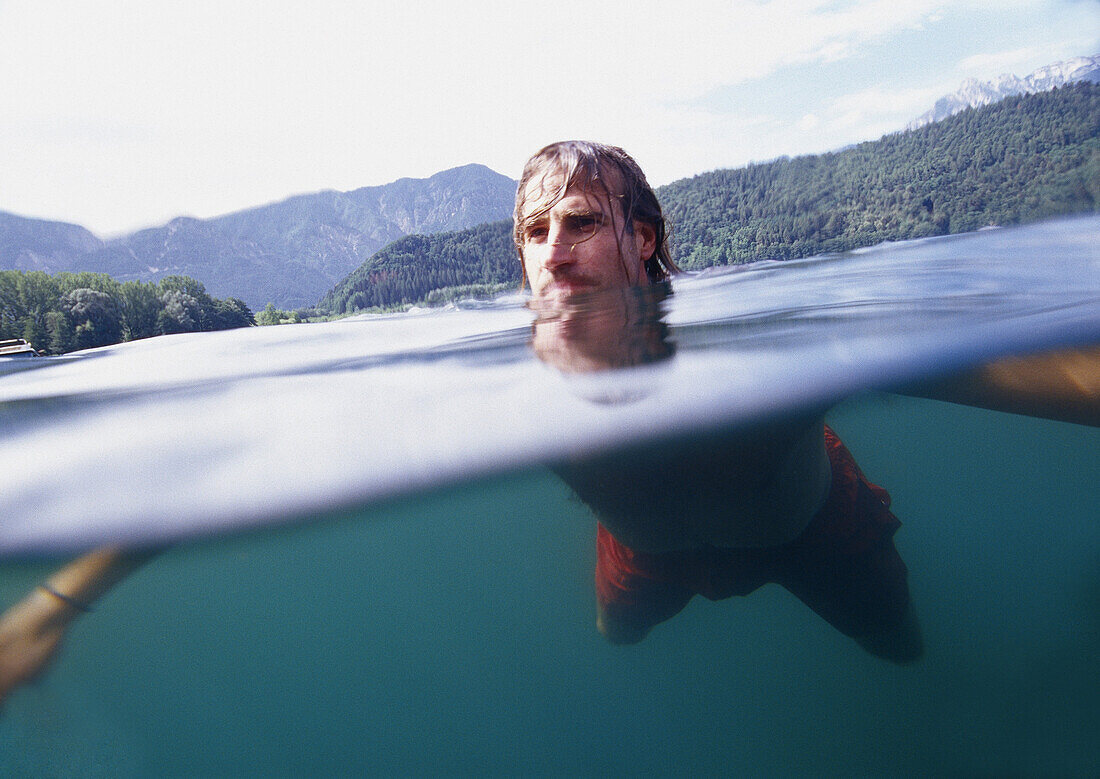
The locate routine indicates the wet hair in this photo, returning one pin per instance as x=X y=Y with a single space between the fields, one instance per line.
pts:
x=607 y=170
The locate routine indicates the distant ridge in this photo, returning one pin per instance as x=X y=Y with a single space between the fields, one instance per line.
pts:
x=974 y=93
x=39 y=244
x=289 y=253
x=1020 y=160
x=293 y=252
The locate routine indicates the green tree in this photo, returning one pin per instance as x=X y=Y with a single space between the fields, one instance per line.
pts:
x=199 y=305
x=61 y=333
x=35 y=332
x=181 y=313
x=37 y=295
x=95 y=318
x=232 y=312
x=10 y=307
x=269 y=316
x=141 y=305
x=100 y=282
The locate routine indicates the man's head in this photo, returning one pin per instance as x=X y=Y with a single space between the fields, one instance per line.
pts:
x=587 y=219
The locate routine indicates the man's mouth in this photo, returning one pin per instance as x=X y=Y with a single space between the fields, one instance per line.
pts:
x=570 y=285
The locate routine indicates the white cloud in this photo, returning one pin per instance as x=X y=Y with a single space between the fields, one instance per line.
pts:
x=874 y=106
x=987 y=66
x=808 y=123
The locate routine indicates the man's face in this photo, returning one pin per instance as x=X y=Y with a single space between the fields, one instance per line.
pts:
x=579 y=244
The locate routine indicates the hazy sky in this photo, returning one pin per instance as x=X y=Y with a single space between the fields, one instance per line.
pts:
x=119 y=114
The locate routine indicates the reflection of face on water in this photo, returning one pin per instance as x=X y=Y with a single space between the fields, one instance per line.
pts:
x=587 y=336
x=598 y=331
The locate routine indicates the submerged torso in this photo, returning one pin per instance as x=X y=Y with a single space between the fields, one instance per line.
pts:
x=737 y=489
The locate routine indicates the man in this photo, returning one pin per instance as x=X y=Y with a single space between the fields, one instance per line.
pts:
x=783 y=502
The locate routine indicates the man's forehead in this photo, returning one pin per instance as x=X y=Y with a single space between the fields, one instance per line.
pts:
x=543 y=192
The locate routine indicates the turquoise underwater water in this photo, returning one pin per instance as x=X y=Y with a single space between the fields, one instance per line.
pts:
x=453 y=631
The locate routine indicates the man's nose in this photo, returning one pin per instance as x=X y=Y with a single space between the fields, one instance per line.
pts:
x=559 y=250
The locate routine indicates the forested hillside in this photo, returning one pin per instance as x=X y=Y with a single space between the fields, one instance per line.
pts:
x=410 y=268
x=70 y=311
x=1023 y=159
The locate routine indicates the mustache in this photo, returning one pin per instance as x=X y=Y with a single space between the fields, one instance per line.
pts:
x=569 y=275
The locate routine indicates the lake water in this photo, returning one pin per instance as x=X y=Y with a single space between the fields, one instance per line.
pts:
x=372 y=569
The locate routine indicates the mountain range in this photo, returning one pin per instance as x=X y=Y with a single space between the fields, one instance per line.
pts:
x=974 y=93
x=289 y=253
x=293 y=252
x=1019 y=160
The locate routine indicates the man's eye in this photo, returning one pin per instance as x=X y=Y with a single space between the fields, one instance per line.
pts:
x=586 y=224
x=536 y=233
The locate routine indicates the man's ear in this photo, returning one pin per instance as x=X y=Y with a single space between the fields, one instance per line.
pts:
x=646 y=236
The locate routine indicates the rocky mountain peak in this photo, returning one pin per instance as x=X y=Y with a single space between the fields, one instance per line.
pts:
x=973 y=93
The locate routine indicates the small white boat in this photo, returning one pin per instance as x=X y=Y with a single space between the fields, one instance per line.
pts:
x=17 y=347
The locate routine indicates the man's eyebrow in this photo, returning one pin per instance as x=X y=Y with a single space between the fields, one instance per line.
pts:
x=583 y=211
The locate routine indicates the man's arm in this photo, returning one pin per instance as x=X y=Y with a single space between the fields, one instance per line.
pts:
x=1061 y=385
x=31 y=631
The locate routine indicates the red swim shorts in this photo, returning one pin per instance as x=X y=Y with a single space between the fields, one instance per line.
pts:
x=844 y=565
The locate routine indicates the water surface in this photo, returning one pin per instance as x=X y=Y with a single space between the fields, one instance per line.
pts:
x=414 y=592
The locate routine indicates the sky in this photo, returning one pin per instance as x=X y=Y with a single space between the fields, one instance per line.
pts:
x=122 y=114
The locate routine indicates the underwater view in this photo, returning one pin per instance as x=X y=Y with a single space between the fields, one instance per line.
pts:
x=370 y=545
